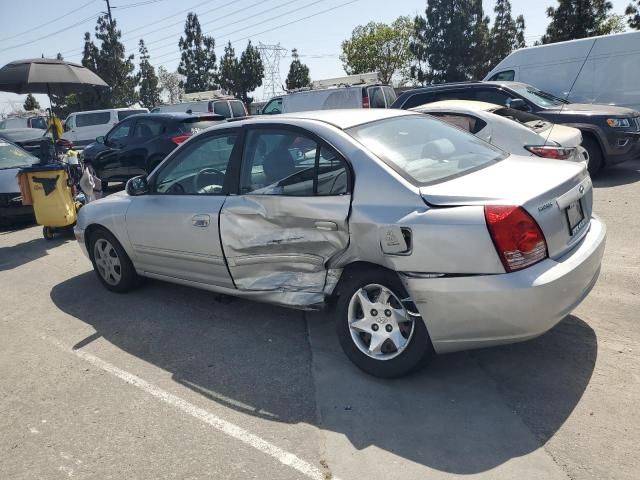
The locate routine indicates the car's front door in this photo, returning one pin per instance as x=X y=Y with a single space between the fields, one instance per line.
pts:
x=174 y=229
x=109 y=162
x=290 y=217
x=135 y=156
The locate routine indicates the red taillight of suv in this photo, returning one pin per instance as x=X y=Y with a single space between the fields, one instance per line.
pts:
x=547 y=151
x=516 y=236
x=365 y=101
x=180 y=139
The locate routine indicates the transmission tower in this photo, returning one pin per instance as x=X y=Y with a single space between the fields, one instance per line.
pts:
x=270 y=56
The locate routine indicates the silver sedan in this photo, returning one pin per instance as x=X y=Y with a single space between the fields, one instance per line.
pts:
x=421 y=237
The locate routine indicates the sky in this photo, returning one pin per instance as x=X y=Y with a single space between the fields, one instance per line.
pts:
x=316 y=28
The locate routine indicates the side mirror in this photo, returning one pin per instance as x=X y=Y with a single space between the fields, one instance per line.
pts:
x=100 y=139
x=137 y=186
x=518 y=104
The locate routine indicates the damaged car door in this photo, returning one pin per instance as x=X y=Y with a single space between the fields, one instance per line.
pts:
x=290 y=217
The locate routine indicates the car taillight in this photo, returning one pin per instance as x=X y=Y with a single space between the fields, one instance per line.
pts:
x=547 y=151
x=516 y=236
x=365 y=102
x=180 y=139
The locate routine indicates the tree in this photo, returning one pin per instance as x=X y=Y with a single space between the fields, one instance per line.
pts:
x=170 y=84
x=574 y=19
x=250 y=74
x=378 y=47
x=149 y=92
x=198 y=58
x=614 y=23
x=298 y=73
x=633 y=12
x=507 y=34
x=229 y=69
x=441 y=45
x=480 y=38
x=31 y=103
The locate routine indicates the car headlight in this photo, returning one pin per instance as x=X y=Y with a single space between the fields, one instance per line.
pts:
x=619 y=122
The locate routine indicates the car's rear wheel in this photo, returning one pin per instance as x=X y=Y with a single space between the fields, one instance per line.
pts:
x=111 y=263
x=378 y=327
x=595 y=155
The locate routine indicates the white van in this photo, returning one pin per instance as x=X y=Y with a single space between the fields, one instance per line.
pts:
x=212 y=101
x=82 y=128
x=605 y=69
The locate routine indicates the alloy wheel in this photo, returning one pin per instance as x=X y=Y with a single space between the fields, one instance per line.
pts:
x=107 y=261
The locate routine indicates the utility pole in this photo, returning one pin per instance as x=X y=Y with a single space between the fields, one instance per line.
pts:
x=109 y=13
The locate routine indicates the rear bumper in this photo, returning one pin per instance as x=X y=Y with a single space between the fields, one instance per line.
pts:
x=486 y=310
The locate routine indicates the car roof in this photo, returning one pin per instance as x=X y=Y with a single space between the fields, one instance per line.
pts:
x=178 y=116
x=473 y=84
x=341 y=118
x=460 y=105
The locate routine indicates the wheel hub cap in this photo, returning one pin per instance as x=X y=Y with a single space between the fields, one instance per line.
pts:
x=107 y=261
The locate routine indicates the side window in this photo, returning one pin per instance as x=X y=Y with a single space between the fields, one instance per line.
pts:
x=390 y=95
x=505 y=76
x=90 y=119
x=69 y=123
x=199 y=169
x=466 y=122
x=283 y=162
x=119 y=132
x=146 y=129
x=273 y=107
x=222 y=108
x=376 y=97
x=237 y=108
x=417 y=100
x=39 y=122
x=495 y=96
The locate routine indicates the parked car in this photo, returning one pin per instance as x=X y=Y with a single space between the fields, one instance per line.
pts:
x=353 y=91
x=39 y=122
x=511 y=130
x=12 y=159
x=590 y=70
x=37 y=142
x=610 y=134
x=203 y=102
x=418 y=249
x=136 y=145
x=82 y=128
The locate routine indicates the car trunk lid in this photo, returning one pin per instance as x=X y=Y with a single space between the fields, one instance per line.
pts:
x=557 y=194
x=563 y=136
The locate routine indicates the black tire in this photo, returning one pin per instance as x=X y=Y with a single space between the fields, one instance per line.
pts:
x=128 y=278
x=596 y=161
x=419 y=349
x=47 y=233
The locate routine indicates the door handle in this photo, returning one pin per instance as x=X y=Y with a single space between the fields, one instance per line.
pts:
x=200 y=220
x=328 y=226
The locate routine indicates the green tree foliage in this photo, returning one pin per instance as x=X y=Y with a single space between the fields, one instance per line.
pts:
x=378 y=47
x=450 y=41
x=198 y=59
x=229 y=70
x=507 y=34
x=170 y=84
x=574 y=19
x=633 y=13
x=614 y=23
x=31 y=103
x=114 y=66
x=298 y=73
x=149 y=92
x=250 y=75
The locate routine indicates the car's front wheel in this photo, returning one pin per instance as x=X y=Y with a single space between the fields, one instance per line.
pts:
x=376 y=326
x=111 y=263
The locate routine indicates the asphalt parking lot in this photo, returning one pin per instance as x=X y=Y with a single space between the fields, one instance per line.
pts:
x=172 y=382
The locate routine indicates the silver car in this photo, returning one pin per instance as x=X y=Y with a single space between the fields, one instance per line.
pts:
x=422 y=237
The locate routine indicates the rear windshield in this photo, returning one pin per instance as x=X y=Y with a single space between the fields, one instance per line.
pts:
x=122 y=114
x=534 y=122
x=14 y=157
x=425 y=150
x=237 y=108
x=196 y=125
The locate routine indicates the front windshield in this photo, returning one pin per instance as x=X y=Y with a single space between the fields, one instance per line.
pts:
x=540 y=98
x=425 y=149
x=14 y=157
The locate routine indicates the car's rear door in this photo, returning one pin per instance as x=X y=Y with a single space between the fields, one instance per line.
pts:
x=174 y=229
x=289 y=219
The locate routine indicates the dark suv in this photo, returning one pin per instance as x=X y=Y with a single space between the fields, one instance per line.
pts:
x=136 y=145
x=610 y=134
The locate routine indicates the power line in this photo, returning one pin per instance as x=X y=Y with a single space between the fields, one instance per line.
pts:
x=219 y=35
x=51 y=34
x=49 y=22
x=278 y=26
x=138 y=4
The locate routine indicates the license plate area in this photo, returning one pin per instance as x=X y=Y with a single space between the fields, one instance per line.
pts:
x=575 y=217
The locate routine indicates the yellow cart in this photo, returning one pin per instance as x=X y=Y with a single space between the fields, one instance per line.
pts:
x=52 y=197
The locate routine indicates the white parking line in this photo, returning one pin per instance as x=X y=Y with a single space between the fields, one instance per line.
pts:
x=228 y=428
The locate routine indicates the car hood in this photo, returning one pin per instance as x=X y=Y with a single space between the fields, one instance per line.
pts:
x=22 y=134
x=91 y=150
x=594 y=109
